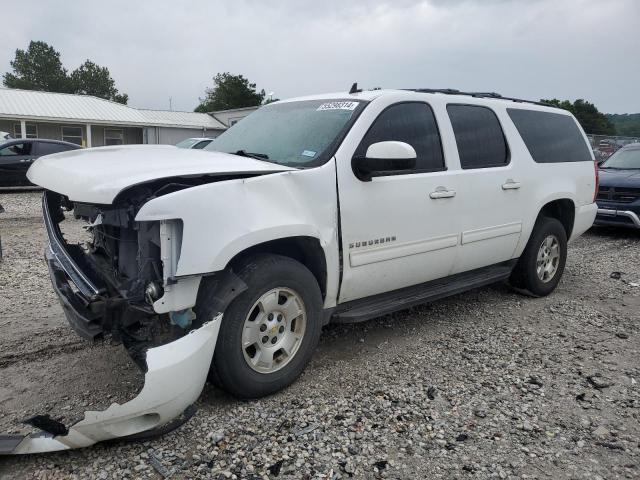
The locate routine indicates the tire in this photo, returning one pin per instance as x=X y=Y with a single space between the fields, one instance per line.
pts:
x=273 y=281
x=526 y=276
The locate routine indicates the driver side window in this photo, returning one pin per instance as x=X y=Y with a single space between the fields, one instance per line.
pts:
x=17 y=149
x=413 y=123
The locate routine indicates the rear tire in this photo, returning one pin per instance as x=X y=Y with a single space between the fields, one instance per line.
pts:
x=541 y=265
x=282 y=304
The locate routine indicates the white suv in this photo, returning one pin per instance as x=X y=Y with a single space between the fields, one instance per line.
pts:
x=338 y=207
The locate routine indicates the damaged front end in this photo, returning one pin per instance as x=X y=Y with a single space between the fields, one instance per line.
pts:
x=119 y=281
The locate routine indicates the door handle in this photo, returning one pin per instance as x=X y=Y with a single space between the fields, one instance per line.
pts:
x=511 y=185
x=442 y=192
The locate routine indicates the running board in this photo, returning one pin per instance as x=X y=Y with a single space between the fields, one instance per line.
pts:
x=384 y=303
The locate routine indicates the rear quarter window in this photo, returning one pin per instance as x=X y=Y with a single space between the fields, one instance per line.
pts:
x=550 y=137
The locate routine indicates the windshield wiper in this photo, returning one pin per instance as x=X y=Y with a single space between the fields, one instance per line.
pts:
x=256 y=156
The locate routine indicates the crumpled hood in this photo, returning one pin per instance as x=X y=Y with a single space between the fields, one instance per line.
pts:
x=620 y=178
x=97 y=175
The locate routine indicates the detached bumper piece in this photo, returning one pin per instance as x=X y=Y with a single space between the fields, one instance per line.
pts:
x=174 y=380
x=613 y=217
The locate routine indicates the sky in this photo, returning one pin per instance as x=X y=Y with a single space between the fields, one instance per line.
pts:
x=157 y=50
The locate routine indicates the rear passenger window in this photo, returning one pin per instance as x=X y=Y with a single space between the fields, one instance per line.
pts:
x=412 y=123
x=479 y=136
x=550 y=137
x=45 y=148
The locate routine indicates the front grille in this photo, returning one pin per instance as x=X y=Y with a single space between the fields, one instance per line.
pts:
x=619 y=195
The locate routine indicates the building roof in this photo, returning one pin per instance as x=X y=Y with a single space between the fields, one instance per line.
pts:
x=48 y=106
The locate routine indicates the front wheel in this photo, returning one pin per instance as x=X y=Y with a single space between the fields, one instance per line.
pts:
x=541 y=265
x=269 y=332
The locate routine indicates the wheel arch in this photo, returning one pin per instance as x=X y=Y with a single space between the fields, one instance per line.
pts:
x=562 y=209
x=304 y=249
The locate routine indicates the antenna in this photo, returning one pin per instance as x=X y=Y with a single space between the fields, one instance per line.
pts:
x=354 y=89
x=170 y=108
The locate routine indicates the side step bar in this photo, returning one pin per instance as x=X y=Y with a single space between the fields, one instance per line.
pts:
x=384 y=303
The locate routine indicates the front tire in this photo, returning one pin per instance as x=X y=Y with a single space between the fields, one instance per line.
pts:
x=270 y=331
x=541 y=265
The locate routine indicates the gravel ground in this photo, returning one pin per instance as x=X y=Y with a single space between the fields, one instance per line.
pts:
x=487 y=384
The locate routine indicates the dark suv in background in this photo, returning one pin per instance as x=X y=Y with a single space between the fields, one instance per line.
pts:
x=17 y=155
x=619 y=193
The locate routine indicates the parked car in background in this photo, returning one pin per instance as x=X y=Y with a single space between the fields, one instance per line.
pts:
x=619 y=192
x=17 y=155
x=197 y=143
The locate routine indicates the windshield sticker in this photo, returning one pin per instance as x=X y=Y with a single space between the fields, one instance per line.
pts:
x=309 y=153
x=338 y=106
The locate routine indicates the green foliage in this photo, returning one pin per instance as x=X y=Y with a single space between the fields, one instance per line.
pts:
x=591 y=119
x=230 y=91
x=39 y=68
x=627 y=124
x=92 y=79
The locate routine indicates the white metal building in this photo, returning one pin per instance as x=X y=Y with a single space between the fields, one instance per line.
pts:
x=92 y=121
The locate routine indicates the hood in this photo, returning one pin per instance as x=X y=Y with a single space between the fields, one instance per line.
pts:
x=620 y=178
x=97 y=175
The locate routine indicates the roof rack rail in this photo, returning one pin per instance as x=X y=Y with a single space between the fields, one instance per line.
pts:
x=453 y=91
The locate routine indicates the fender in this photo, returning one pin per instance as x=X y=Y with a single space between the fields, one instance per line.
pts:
x=221 y=220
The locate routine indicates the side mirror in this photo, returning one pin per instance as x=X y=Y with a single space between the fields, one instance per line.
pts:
x=383 y=158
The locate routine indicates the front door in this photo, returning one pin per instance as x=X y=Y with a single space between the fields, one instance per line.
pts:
x=15 y=160
x=400 y=229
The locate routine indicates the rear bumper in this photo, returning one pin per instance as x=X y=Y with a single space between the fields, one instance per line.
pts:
x=585 y=215
x=618 y=218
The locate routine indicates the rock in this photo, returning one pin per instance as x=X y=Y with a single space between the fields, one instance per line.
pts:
x=601 y=431
x=599 y=381
x=462 y=437
x=480 y=413
x=535 y=380
x=622 y=335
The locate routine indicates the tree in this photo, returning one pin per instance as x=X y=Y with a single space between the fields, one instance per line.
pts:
x=589 y=117
x=92 y=79
x=230 y=91
x=38 y=68
x=627 y=124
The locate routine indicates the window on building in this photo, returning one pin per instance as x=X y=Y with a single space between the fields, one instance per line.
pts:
x=412 y=123
x=32 y=130
x=72 y=134
x=479 y=136
x=113 y=136
x=550 y=137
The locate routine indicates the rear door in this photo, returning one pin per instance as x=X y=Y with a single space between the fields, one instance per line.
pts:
x=492 y=215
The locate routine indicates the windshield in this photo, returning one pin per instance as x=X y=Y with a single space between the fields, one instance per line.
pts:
x=188 y=143
x=296 y=134
x=624 y=159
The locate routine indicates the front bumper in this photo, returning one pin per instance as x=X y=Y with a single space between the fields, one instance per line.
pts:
x=175 y=371
x=617 y=218
x=174 y=380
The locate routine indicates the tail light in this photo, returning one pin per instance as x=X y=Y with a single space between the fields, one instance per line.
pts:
x=597 y=174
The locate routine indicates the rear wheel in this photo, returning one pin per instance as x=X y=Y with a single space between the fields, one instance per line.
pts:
x=269 y=332
x=541 y=265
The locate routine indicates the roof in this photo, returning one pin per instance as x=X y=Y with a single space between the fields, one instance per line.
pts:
x=451 y=96
x=13 y=141
x=49 y=106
